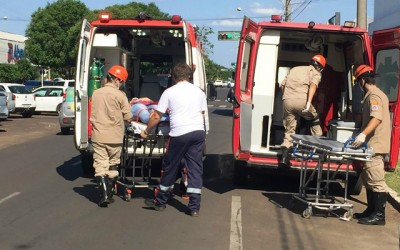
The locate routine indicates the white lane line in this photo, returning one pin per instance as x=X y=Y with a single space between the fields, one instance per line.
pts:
x=236 y=242
x=9 y=197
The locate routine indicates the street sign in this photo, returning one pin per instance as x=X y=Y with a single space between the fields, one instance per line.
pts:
x=228 y=35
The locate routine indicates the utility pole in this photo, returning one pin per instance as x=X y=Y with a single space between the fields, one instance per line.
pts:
x=287 y=11
x=362 y=13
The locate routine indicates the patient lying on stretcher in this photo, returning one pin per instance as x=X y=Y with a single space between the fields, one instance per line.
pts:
x=141 y=109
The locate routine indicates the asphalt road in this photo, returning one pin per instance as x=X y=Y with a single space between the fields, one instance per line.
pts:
x=45 y=203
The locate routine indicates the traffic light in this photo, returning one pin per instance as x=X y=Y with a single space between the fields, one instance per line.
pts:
x=229 y=35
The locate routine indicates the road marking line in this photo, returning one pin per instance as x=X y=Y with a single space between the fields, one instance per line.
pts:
x=236 y=224
x=9 y=197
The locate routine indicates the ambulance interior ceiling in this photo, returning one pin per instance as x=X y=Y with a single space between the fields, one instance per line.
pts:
x=149 y=40
x=341 y=50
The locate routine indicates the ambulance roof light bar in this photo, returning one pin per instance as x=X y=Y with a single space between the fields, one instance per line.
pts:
x=105 y=17
x=276 y=18
x=175 y=19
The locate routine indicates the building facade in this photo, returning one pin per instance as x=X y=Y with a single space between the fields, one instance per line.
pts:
x=12 y=47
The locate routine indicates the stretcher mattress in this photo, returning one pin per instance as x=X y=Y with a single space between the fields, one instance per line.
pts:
x=324 y=143
x=154 y=146
x=162 y=128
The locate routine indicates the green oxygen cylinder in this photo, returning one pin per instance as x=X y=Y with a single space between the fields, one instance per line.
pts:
x=96 y=74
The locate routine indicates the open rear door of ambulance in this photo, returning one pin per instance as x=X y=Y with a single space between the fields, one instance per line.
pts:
x=243 y=87
x=242 y=105
x=188 y=44
x=386 y=51
x=81 y=88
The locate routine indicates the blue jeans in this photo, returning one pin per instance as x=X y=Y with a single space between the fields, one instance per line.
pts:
x=142 y=112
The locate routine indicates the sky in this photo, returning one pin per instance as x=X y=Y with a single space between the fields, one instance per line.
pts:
x=220 y=15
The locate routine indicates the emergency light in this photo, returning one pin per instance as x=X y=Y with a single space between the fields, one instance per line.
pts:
x=276 y=18
x=176 y=19
x=104 y=17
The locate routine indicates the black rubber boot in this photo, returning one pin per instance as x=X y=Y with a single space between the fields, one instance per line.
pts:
x=285 y=160
x=194 y=204
x=112 y=182
x=103 y=183
x=378 y=216
x=370 y=206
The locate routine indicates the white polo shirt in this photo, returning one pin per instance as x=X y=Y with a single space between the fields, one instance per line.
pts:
x=185 y=104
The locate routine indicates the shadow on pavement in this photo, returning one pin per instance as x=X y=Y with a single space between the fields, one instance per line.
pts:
x=217 y=174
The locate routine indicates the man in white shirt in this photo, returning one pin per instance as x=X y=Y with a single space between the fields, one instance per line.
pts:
x=186 y=105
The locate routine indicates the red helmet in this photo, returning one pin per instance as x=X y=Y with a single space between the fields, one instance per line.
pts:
x=362 y=69
x=319 y=59
x=118 y=72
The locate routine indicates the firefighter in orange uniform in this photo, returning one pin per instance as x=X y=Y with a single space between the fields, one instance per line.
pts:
x=375 y=131
x=298 y=88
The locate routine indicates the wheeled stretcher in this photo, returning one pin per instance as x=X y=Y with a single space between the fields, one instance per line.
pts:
x=138 y=155
x=331 y=154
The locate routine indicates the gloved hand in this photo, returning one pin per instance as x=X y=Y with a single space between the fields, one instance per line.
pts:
x=307 y=108
x=360 y=139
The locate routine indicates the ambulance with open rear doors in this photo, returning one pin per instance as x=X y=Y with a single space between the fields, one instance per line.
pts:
x=268 y=50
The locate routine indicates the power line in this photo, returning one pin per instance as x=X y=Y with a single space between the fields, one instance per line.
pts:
x=305 y=6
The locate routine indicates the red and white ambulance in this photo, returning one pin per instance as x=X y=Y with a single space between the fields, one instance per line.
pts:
x=267 y=51
x=148 y=48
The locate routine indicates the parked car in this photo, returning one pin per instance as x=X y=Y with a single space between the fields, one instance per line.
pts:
x=22 y=100
x=66 y=116
x=10 y=101
x=49 y=98
x=32 y=84
x=3 y=106
x=64 y=83
x=218 y=83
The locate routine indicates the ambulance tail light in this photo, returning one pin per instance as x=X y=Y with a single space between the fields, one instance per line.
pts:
x=176 y=19
x=105 y=17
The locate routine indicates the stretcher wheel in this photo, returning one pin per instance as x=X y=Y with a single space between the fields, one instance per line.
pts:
x=348 y=215
x=307 y=213
x=128 y=194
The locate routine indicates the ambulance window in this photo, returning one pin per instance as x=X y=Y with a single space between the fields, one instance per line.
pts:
x=244 y=69
x=387 y=70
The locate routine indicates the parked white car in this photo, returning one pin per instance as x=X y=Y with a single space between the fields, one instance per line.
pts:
x=218 y=83
x=64 y=83
x=49 y=98
x=3 y=106
x=22 y=100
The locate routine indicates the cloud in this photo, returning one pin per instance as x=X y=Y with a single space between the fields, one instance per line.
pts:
x=266 y=11
x=259 y=9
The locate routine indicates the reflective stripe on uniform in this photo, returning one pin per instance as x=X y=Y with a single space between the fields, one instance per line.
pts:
x=194 y=190
x=164 y=188
x=315 y=122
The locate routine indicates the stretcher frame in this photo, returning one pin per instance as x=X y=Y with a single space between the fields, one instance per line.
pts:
x=138 y=153
x=308 y=147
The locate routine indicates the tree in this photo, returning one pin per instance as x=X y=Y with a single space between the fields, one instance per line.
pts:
x=53 y=35
x=130 y=10
x=18 y=73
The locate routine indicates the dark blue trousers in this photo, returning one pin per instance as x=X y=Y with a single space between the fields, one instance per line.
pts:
x=188 y=147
